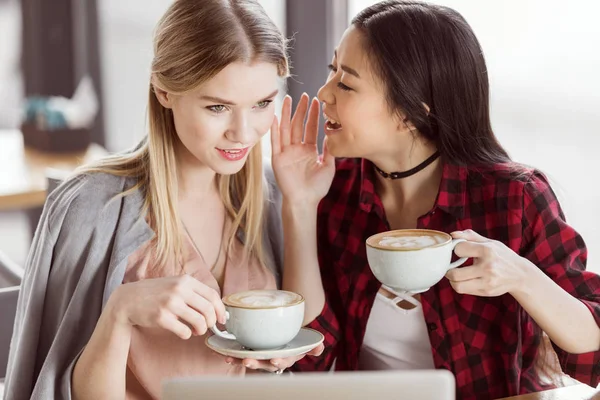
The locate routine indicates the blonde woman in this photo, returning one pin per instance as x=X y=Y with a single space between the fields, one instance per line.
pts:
x=132 y=255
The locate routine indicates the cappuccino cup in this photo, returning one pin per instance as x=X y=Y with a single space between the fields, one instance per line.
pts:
x=262 y=319
x=411 y=260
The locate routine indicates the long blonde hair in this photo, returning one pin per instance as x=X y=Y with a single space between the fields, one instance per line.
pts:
x=194 y=41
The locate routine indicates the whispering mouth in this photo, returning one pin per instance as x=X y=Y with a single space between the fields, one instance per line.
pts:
x=331 y=124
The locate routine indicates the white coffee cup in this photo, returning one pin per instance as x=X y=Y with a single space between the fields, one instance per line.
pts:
x=263 y=319
x=411 y=260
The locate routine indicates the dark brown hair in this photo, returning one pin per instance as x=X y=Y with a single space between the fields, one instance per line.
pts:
x=428 y=54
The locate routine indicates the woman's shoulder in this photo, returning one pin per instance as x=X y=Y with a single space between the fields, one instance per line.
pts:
x=511 y=186
x=89 y=188
x=83 y=197
x=519 y=177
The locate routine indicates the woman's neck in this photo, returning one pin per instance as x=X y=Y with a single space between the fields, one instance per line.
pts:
x=420 y=188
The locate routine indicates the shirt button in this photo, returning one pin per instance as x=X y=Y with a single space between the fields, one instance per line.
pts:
x=431 y=327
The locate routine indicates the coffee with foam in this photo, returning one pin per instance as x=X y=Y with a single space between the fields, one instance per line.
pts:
x=412 y=241
x=257 y=299
x=411 y=260
x=262 y=319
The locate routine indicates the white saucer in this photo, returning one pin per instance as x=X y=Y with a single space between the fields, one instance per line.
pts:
x=305 y=341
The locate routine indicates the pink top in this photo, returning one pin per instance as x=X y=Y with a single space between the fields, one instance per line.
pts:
x=156 y=354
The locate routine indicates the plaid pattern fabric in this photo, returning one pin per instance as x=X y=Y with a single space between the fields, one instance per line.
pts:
x=490 y=344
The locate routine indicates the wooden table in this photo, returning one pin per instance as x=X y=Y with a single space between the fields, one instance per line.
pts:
x=23 y=171
x=576 y=392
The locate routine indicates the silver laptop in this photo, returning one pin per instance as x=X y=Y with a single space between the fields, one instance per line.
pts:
x=413 y=385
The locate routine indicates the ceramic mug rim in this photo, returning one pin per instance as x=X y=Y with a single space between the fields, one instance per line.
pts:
x=295 y=303
x=373 y=240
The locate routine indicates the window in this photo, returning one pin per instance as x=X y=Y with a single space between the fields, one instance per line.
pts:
x=276 y=11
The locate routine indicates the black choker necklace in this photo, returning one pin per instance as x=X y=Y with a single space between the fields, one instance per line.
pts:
x=405 y=174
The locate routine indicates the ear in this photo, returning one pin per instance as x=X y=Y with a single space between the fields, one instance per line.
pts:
x=406 y=125
x=164 y=97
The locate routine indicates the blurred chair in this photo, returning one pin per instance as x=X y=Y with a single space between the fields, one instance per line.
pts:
x=11 y=275
x=8 y=308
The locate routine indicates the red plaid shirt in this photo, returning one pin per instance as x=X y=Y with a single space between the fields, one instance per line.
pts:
x=490 y=344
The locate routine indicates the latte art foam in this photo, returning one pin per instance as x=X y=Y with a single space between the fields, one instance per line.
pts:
x=263 y=298
x=411 y=242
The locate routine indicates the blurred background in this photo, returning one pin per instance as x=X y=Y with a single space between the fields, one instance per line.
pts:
x=543 y=59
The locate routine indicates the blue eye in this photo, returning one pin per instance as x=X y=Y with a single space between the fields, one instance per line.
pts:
x=217 y=109
x=264 y=104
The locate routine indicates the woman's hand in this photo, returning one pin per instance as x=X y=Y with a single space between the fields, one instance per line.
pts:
x=181 y=304
x=276 y=364
x=496 y=269
x=303 y=175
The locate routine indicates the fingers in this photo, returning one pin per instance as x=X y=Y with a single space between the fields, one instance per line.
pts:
x=284 y=363
x=260 y=364
x=317 y=351
x=211 y=296
x=201 y=305
x=464 y=273
x=312 y=123
x=275 y=137
x=285 y=125
x=473 y=249
x=479 y=287
x=233 y=361
x=169 y=321
x=193 y=318
x=276 y=363
x=470 y=235
x=298 y=120
x=472 y=286
x=267 y=365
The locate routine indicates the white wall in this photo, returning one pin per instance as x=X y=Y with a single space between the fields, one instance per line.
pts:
x=543 y=60
x=126 y=32
x=11 y=82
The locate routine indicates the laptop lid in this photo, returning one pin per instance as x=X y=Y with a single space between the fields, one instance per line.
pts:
x=414 y=385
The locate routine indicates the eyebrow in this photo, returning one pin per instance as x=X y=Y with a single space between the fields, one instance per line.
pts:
x=347 y=69
x=231 y=103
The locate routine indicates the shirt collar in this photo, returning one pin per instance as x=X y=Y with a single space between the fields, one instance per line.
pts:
x=451 y=197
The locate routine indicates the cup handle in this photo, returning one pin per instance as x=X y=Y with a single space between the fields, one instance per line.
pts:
x=223 y=334
x=460 y=261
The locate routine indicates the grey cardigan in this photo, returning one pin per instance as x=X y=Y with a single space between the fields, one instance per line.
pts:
x=77 y=259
